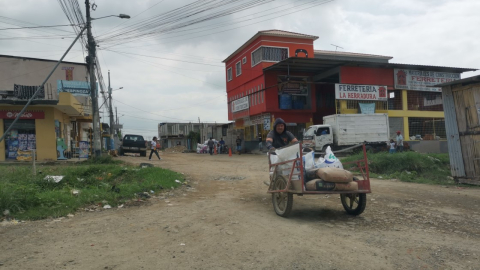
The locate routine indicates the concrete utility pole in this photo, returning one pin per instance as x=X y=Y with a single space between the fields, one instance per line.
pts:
x=110 y=107
x=93 y=89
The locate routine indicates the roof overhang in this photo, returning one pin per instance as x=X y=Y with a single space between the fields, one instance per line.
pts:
x=271 y=34
x=319 y=66
x=469 y=80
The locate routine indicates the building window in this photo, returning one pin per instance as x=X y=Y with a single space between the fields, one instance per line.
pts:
x=395 y=100
x=422 y=128
x=244 y=60
x=424 y=101
x=229 y=74
x=269 y=54
x=263 y=93
x=238 y=69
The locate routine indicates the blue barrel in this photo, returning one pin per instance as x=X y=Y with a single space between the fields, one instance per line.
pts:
x=285 y=102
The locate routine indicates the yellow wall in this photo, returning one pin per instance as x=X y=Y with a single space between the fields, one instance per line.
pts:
x=45 y=133
x=44 y=130
x=405 y=113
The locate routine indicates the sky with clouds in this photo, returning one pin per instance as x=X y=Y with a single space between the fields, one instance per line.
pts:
x=178 y=75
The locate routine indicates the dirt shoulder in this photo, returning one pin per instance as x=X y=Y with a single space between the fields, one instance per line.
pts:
x=226 y=221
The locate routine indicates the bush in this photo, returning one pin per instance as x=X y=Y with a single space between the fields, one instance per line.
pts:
x=408 y=166
x=32 y=197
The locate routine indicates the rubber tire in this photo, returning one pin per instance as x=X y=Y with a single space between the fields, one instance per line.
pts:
x=281 y=183
x=362 y=203
x=143 y=154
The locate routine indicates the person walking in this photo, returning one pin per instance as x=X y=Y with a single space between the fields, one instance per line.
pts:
x=222 y=145
x=153 y=147
x=239 y=144
x=260 y=142
x=210 y=144
x=399 y=141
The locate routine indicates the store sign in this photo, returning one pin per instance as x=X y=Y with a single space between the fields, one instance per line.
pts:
x=240 y=104
x=422 y=80
x=360 y=92
x=266 y=122
x=25 y=115
x=76 y=88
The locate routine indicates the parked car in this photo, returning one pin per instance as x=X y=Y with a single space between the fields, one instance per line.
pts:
x=133 y=144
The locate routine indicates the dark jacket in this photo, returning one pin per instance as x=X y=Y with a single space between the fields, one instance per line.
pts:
x=279 y=139
x=210 y=143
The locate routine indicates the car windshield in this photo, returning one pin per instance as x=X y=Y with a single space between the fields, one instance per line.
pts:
x=134 y=138
x=310 y=132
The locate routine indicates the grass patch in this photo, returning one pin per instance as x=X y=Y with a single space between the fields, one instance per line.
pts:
x=32 y=197
x=408 y=166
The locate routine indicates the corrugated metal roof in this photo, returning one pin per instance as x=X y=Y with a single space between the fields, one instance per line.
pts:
x=457 y=167
x=473 y=79
x=313 y=65
x=350 y=54
x=274 y=33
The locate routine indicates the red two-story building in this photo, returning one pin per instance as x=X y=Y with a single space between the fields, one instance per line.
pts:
x=279 y=74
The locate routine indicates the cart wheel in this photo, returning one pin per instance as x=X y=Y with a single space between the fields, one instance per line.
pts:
x=282 y=201
x=354 y=203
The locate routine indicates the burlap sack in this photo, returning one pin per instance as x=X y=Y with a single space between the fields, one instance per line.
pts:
x=311 y=174
x=334 y=175
x=319 y=185
x=351 y=186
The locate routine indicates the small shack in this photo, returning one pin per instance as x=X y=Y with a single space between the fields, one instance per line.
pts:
x=461 y=102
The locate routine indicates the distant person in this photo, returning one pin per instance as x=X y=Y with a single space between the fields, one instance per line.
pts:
x=260 y=142
x=210 y=144
x=222 y=145
x=279 y=136
x=239 y=144
x=153 y=147
x=392 y=147
x=399 y=141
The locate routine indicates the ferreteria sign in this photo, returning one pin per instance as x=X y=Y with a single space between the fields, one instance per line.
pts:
x=422 y=80
x=240 y=104
x=360 y=92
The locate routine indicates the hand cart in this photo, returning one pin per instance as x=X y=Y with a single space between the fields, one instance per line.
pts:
x=283 y=186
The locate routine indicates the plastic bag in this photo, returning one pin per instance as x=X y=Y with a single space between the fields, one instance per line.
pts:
x=330 y=160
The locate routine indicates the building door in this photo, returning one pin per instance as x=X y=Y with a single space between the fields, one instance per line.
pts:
x=20 y=138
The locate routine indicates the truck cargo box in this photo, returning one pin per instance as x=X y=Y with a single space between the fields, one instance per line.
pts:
x=350 y=129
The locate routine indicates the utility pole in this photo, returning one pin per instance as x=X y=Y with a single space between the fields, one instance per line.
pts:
x=93 y=89
x=110 y=107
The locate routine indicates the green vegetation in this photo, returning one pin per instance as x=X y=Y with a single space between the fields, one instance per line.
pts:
x=408 y=166
x=32 y=197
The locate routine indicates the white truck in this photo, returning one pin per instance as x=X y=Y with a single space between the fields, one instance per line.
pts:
x=341 y=131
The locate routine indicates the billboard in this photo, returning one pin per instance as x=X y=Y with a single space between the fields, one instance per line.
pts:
x=240 y=104
x=422 y=80
x=360 y=92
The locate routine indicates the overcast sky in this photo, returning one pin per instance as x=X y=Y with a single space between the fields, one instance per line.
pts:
x=159 y=88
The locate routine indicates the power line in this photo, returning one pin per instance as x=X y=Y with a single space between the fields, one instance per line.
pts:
x=31 y=27
x=151 y=112
x=169 y=59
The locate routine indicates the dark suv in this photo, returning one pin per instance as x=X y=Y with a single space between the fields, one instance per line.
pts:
x=133 y=144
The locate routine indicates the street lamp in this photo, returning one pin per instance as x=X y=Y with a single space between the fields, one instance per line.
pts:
x=91 y=62
x=121 y=16
x=118 y=89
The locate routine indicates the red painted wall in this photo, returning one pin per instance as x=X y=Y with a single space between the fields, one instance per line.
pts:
x=363 y=75
x=252 y=78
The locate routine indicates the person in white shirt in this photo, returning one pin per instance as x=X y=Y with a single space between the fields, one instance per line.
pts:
x=399 y=142
x=153 y=146
x=392 y=147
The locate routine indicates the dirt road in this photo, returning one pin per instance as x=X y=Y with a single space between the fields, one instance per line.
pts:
x=227 y=222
